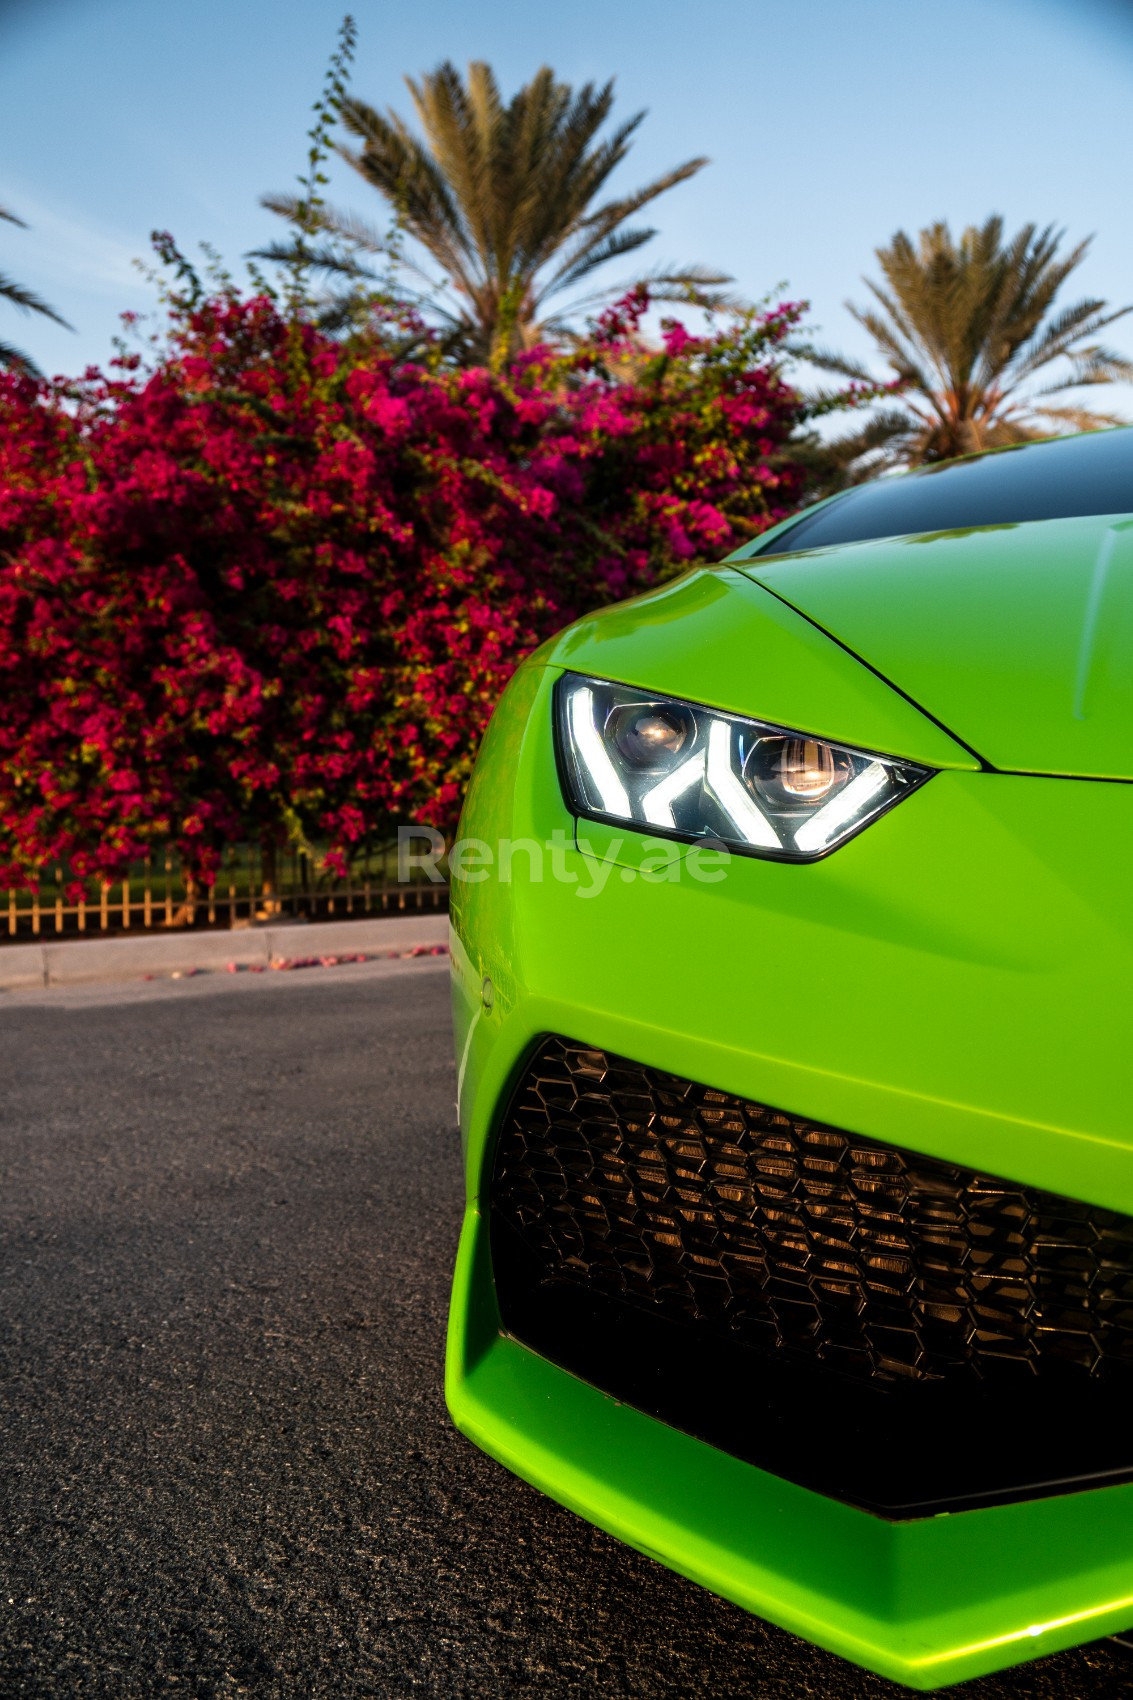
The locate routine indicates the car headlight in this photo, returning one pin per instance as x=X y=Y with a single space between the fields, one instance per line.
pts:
x=678 y=770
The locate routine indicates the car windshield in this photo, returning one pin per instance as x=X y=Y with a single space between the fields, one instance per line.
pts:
x=1061 y=479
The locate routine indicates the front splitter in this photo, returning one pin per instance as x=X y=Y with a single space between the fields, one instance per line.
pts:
x=926 y=1602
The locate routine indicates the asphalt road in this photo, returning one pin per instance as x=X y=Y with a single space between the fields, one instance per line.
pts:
x=228 y=1213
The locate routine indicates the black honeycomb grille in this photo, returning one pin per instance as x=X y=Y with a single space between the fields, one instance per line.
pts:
x=801 y=1240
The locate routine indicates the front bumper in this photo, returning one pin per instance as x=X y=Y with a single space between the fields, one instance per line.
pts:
x=953 y=982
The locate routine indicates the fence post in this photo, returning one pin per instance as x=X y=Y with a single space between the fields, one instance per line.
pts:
x=269 y=880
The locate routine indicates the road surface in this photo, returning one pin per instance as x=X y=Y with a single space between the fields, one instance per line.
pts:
x=228 y=1213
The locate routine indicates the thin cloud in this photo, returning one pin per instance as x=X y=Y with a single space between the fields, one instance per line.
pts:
x=62 y=247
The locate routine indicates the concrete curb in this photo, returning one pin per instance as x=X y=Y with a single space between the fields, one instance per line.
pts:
x=76 y=962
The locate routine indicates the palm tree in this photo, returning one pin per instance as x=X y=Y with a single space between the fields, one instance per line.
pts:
x=501 y=197
x=29 y=302
x=968 y=329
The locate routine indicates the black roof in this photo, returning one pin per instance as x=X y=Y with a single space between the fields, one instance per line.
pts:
x=1059 y=479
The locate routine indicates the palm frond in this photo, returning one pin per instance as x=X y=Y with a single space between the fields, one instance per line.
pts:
x=598 y=227
x=1081 y=418
x=688 y=286
x=394 y=162
x=15 y=361
x=880 y=442
x=1089 y=366
x=355 y=231
x=1070 y=327
x=842 y=365
x=696 y=286
x=611 y=247
x=299 y=253
x=901 y=353
x=28 y=301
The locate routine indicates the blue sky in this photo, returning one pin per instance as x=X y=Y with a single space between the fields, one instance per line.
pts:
x=830 y=123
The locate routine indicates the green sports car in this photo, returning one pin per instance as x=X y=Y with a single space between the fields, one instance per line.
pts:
x=792 y=954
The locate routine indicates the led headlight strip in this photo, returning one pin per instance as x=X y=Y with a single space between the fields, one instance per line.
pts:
x=666 y=766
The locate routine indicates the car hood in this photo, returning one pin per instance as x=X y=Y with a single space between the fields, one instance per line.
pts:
x=1017 y=639
x=715 y=637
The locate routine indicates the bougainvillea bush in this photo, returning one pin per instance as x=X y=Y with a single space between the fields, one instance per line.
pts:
x=269 y=589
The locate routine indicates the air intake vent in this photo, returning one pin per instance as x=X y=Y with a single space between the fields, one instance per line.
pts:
x=714 y=1226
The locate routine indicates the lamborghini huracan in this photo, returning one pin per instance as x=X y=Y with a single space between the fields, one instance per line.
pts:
x=793 y=998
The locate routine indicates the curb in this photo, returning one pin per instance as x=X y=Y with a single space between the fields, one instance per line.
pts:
x=76 y=962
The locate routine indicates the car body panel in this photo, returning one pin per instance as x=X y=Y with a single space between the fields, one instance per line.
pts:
x=950 y=941
x=715 y=638
x=1017 y=638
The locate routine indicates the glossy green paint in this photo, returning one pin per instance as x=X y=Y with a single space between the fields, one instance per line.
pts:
x=716 y=638
x=952 y=980
x=1016 y=637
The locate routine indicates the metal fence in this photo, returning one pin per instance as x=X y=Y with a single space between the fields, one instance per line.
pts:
x=250 y=886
